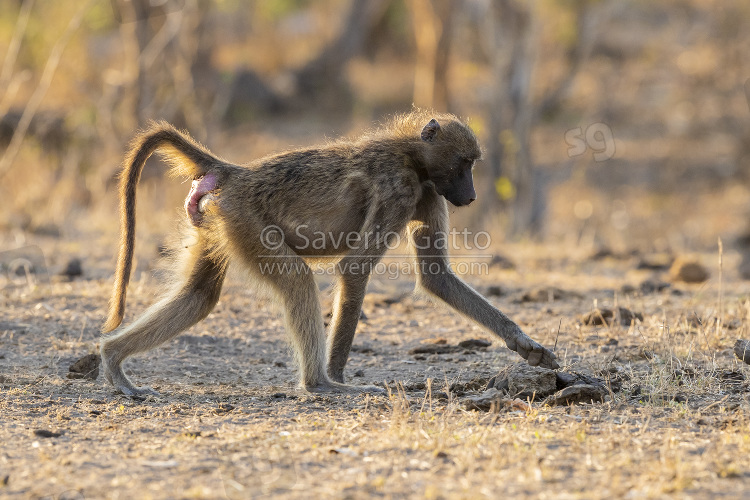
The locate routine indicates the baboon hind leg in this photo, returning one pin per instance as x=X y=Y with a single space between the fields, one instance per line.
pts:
x=186 y=305
x=347 y=308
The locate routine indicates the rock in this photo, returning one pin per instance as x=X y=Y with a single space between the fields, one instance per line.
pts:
x=44 y=433
x=494 y=401
x=650 y=286
x=435 y=349
x=485 y=401
x=495 y=291
x=441 y=395
x=688 y=271
x=564 y=379
x=73 y=269
x=525 y=381
x=548 y=294
x=474 y=344
x=581 y=393
x=223 y=408
x=569 y=379
x=607 y=316
x=86 y=367
x=742 y=350
x=732 y=376
x=499 y=382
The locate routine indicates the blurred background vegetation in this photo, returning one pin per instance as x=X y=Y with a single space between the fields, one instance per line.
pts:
x=660 y=87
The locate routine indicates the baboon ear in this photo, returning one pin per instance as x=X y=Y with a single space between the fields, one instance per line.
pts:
x=430 y=130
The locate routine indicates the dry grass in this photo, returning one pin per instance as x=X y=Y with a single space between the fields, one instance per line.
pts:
x=231 y=425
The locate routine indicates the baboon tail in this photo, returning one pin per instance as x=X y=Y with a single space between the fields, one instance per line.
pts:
x=187 y=157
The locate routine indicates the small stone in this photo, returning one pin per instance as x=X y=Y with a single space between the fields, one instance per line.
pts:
x=688 y=271
x=44 y=433
x=606 y=316
x=568 y=379
x=223 y=408
x=73 y=269
x=474 y=344
x=495 y=291
x=86 y=367
x=485 y=401
x=582 y=393
x=359 y=373
x=435 y=349
x=742 y=350
x=650 y=286
x=278 y=395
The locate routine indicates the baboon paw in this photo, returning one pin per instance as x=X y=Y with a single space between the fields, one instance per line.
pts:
x=534 y=353
x=321 y=388
x=336 y=377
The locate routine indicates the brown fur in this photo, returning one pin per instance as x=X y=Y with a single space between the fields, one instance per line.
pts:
x=396 y=176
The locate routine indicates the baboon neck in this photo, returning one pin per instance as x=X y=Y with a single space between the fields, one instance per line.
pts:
x=413 y=149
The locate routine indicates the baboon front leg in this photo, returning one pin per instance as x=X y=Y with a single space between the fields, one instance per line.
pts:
x=435 y=276
x=346 y=311
x=452 y=290
x=184 y=307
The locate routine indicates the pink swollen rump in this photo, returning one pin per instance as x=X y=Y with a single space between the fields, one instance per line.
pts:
x=200 y=188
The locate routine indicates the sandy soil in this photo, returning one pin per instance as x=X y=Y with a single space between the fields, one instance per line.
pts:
x=231 y=424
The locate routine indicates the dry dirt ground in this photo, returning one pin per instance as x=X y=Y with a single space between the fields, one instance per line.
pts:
x=231 y=424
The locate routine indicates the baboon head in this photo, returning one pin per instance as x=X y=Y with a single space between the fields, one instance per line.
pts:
x=451 y=151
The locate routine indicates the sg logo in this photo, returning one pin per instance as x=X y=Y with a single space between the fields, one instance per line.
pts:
x=598 y=137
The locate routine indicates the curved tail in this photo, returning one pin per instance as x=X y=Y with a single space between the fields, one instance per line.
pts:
x=187 y=157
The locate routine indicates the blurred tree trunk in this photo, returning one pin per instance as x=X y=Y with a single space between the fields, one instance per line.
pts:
x=515 y=179
x=511 y=115
x=324 y=76
x=433 y=28
x=169 y=39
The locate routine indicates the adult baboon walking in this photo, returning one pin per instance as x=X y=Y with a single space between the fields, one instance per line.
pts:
x=264 y=215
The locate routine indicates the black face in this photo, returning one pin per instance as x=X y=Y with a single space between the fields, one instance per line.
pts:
x=451 y=153
x=458 y=185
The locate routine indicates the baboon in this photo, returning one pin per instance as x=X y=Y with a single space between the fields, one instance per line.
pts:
x=394 y=180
